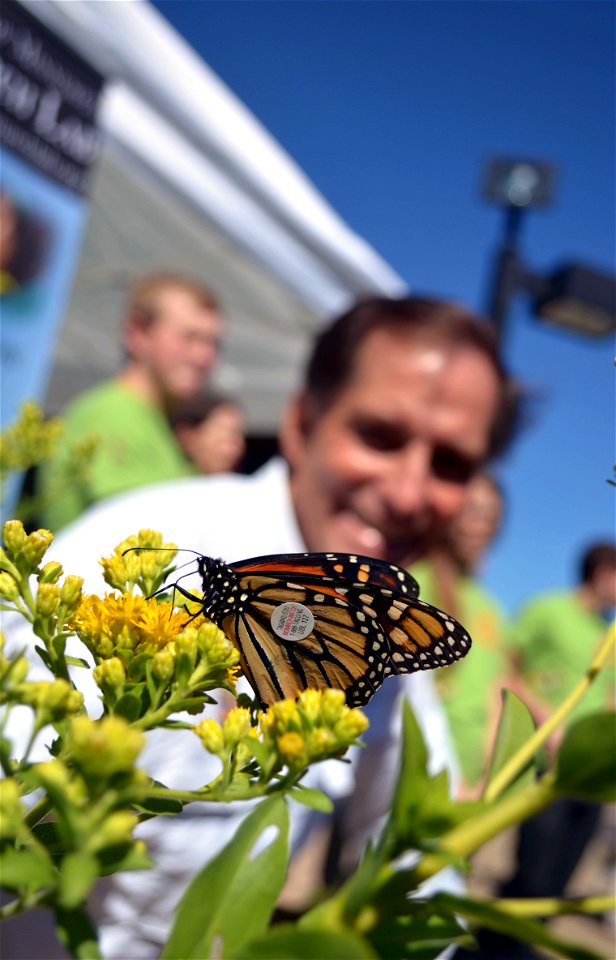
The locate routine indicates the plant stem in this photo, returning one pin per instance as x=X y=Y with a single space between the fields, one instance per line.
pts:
x=469 y=836
x=526 y=752
x=550 y=907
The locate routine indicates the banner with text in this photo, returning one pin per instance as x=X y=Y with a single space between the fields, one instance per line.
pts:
x=49 y=141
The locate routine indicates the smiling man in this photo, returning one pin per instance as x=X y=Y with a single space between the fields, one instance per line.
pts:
x=404 y=400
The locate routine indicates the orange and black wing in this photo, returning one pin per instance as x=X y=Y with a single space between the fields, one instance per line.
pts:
x=355 y=633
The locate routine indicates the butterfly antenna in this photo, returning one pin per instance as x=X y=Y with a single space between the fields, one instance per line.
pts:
x=172 y=549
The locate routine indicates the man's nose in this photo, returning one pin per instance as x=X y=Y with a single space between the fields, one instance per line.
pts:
x=407 y=484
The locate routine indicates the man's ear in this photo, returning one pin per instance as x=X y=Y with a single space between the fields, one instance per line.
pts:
x=134 y=332
x=295 y=427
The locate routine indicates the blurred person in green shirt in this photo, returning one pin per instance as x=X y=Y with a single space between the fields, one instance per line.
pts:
x=470 y=690
x=171 y=336
x=556 y=635
x=555 y=638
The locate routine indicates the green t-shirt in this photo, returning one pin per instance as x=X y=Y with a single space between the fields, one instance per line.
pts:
x=136 y=446
x=555 y=638
x=469 y=689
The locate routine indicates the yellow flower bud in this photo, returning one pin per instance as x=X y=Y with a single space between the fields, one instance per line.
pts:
x=321 y=743
x=102 y=748
x=58 y=699
x=211 y=736
x=11 y=810
x=216 y=646
x=110 y=673
x=52 y=774
x=310 y=704
x=351 y=725
x=286 y=715
x=70 y=594
x=50 y=573
x=186 y=643
x=36 y=546
x=163 y=663
x=291 y=747
x=19 y=670
x=9 y=588
x=14 y=537
x=236 y=725
x=48 y=599
x=116 y=828
x=332 y=705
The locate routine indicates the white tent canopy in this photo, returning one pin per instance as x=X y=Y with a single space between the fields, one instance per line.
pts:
x=189 y=180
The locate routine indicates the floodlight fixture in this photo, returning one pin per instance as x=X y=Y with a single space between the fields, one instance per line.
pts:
x=575 y=296
x=519 y=183
x=579 y=298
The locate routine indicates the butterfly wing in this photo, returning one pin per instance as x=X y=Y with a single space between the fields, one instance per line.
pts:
x=323 y=568
x=360 y=632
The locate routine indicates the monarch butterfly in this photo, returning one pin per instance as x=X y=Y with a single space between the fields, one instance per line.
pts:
x=325 y=620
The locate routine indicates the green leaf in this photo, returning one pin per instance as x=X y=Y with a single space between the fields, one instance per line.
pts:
x=288 y=942
x=76 y=932
x=416 y=933
x=48 y=834
x=78 y=872
x=494 y=916
x=315 y=799
x=231 y=901
x=422 y=807
x=123 y=856
x=129 y=706
x=160 y=806
x=26 y=869
x=76 y=662
x=44 y=655
x=515 y=726
x=586 y=763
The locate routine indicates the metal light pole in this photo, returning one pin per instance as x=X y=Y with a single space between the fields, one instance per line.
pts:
x=575 y=296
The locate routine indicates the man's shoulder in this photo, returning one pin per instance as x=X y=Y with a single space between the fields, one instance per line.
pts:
x=223 y=515
x=106 y=395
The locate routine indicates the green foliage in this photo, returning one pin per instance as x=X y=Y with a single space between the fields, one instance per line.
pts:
x=515 y=726
x=589 y=774
x=33 y=440
x=68 y=820
x=231 y=901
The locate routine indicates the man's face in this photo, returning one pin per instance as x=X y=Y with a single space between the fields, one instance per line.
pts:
x=181 y=345
x=385 y=467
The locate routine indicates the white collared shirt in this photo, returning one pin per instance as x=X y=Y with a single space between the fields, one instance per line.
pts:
x=232 y=517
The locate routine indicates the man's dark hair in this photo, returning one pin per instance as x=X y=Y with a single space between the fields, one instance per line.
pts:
x=331 y=364
x=595 y=556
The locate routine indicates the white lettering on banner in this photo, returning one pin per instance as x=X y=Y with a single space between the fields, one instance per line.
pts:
x=25 y=100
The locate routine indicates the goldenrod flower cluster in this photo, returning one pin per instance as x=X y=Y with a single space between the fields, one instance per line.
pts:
x=133 y=639
x=142 y=561
x=29 y=440
x=317 y=725
x=125 y=626
x=94 y=781
x=52 y=604
x=22 y=551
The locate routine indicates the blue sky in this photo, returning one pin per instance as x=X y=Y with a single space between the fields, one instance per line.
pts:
x=392 y=109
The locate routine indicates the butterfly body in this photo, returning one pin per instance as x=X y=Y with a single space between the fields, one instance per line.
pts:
x=325 y=620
